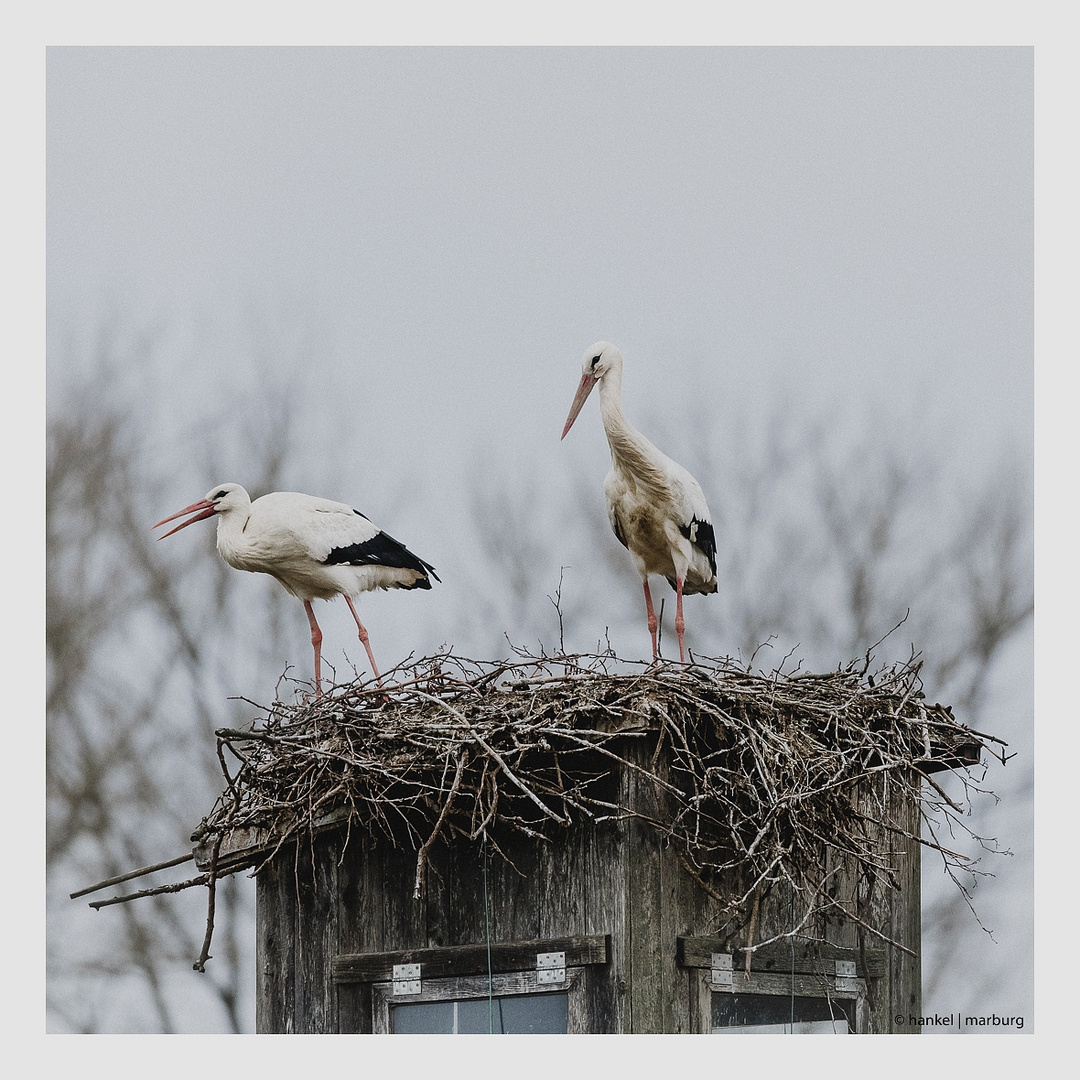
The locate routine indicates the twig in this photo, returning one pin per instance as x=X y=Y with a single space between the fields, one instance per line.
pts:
x=131 y=874
x=497 y=758
x=204 y=955
x=421 y=858
x=177 y=886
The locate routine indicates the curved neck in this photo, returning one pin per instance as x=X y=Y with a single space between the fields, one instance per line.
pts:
x=611 y=413
x=630 y=450
x=230 y=533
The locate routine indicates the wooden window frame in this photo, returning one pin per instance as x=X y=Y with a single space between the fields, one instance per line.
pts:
x=473 y=988
x=807 y=977
x=780 y=985
x=460 y=973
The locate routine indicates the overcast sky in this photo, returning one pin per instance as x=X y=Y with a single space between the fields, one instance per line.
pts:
x=432 y=237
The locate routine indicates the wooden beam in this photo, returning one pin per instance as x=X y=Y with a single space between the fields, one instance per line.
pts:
x=454 y=960
x=785 y=984
x=811 y=957
x=251 y=844
x=959 y=756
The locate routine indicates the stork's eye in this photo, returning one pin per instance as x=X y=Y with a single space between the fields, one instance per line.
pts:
x=221 y=494
x=596 y=359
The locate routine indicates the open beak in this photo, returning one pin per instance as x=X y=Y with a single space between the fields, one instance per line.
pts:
x=205 y=505
x=588 y=381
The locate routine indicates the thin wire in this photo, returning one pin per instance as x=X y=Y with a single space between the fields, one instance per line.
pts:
x=791 y=925
x=487 y=934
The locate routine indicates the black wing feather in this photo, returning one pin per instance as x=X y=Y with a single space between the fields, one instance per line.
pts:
x=701 y=535
x=383 y=550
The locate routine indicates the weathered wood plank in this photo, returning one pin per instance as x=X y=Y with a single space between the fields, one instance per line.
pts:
x=249 y=845
x=457 y=960
x=696 y=913
x=900 y=913
x=316 y=1000
x=277 y=933
x=674 y=981
x=809 y=957
x=781 y=984
x=467 y=909
x=599 y=858
x=560 y=886
x=404 y=918
x=466 y=987
x=437 y=896
x=644 y=977
x=512 y=895
x=360 y=923
x=269 y=1003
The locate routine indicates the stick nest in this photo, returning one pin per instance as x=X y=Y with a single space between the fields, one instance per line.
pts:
x=762 y=776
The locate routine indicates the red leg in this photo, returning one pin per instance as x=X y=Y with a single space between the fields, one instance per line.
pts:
x=651 y=614
x=680 y=625
x=364 y=639
x=316 y=644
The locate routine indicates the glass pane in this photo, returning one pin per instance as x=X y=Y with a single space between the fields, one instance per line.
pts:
x=533 y=1014
x=525 y=1014
x=434 y=1018
x=773 y=1014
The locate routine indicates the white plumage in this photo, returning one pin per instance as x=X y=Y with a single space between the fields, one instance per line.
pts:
x=316 y=548
x=656 y=508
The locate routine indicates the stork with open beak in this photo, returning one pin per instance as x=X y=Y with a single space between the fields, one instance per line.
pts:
x=317 y=549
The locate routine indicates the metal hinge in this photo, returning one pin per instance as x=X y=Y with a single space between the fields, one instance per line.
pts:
x=406 y=979
x=845 y=976
x=550 y=967
x=720 y=972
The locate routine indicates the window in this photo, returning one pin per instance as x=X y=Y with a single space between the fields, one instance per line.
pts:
x=776 y=1014
x=529 y=987
x=510 y=1014
x=800 y=987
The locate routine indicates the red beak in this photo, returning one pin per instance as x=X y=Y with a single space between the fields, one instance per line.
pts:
x=584 y=389
x=205 y=505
